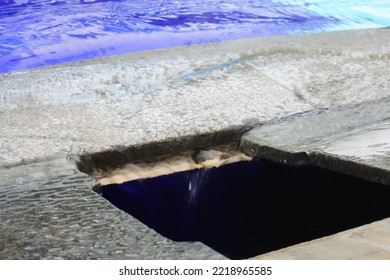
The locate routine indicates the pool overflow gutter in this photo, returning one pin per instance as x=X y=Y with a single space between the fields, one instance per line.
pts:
x=239 y=205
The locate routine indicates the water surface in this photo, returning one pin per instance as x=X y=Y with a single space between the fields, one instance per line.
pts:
x=36 y=33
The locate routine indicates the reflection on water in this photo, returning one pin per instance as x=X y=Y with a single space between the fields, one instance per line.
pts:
x=44 y=32
x=367 y=142
x=247 y=208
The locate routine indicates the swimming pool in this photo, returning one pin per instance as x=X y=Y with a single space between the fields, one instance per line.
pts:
x=35 y=33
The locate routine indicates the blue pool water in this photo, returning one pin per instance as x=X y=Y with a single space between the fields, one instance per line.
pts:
x=35 y=33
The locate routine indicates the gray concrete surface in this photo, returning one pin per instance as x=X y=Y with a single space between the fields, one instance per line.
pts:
x=352 y=139
x=48 y=211
x=368 y=242
x=133 y=99
x=47 y=207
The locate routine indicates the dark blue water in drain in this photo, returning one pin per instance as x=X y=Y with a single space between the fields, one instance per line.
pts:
x=36 y=33
x=248 y=208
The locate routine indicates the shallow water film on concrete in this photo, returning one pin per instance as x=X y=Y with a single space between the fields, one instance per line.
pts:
x=49 y=211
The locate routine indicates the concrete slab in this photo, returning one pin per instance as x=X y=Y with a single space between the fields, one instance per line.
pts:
x=90 y=107
x=336 y=70
x=353 y=139
x=368 y=242
x=87 y=107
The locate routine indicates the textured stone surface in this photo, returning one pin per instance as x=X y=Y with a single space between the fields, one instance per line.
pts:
x=139 y=98
x=48 y=211
x=332 y=72
x=368 y=242
x=353 y=139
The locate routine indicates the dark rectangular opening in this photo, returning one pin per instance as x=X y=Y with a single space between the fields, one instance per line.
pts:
x=249 y=208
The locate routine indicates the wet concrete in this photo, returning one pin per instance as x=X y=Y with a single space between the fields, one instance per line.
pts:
x=353 y=139
x=106 y=111
x=136 y=99
x=48 y=211
x=368 y=242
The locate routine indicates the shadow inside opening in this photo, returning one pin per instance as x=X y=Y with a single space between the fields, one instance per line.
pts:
x=245 y=209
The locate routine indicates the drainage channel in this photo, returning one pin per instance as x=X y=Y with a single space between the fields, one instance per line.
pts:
x=240 y=207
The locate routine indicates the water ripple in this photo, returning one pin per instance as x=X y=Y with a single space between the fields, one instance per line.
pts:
x=36 y=33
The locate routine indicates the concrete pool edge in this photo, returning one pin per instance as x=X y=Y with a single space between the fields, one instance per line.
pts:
x=157 y=151
x=368 y=242
x=83 y=225
x=44 y=127
x=359 y=145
